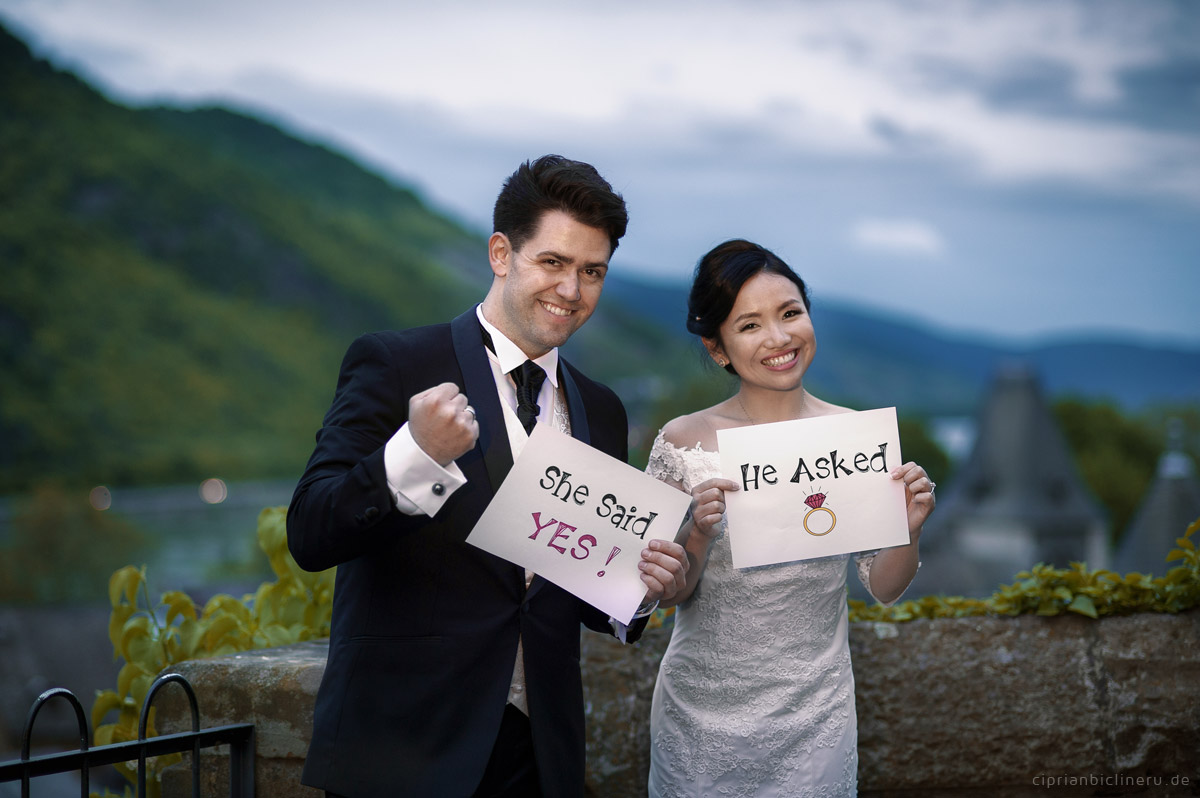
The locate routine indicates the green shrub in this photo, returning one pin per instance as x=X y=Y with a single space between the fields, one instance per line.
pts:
x=150 y=637
x=1045 y=590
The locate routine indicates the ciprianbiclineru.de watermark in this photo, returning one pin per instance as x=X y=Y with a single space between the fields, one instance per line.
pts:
x=1110 y=780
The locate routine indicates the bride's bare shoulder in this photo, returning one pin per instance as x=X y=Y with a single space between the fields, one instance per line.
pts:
x=819 y=407
x=692 y=430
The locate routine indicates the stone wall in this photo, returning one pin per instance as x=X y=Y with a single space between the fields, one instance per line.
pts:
x=973 y=706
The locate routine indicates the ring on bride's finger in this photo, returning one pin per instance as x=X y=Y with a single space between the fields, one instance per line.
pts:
x=932 y=486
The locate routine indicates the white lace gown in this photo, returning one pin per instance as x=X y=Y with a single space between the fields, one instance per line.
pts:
x=755 y=696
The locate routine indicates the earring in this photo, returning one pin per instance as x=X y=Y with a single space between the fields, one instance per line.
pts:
x=721 y=362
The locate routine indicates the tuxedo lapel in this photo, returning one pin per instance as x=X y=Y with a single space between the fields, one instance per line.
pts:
x=480 y=388
x=578 y=413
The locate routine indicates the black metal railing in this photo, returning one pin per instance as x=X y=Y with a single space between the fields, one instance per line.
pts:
x=239 y=737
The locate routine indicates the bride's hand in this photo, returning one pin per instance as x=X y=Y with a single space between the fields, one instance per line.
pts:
x=708 y=505
x=918 y=494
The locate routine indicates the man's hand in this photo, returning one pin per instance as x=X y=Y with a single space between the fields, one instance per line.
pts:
x=664 y=569
x=442 y=423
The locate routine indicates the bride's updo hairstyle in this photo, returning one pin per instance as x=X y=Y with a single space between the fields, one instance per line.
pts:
x=719 y=278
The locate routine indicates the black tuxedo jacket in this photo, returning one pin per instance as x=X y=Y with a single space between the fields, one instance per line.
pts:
x=425 y=625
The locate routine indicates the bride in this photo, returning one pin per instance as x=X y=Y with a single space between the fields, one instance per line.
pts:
x=755 y=695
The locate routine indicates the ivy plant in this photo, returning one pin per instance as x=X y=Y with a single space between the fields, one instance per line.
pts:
x=1046 y=590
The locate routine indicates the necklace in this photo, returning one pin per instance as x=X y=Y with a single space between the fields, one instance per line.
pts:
x=744 y=410
x=749 y=418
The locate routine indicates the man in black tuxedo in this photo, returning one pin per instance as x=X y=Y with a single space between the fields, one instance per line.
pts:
x=452 y=672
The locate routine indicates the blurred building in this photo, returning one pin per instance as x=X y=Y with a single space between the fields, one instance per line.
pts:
x=1016 y=500
x=1171 y=504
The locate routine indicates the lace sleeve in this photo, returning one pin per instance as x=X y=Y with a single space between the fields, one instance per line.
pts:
x=863 y=561
x=665 y=460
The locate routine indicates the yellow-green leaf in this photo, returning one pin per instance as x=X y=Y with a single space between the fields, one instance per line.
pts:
x=220 y=627
x=103 y=735
x=106 y=701
x=125 y=581
x=136 y=628
x=116 y=625
x=139 y=687
x=125 y=678
x=179 y=604
x=1083 y=605
x=190 y=634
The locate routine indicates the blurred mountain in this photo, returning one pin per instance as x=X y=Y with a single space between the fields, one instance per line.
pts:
x=180 y=285
x=872 y=359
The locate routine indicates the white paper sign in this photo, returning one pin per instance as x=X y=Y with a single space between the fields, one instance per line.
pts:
x=580 y=519
x=813 y=487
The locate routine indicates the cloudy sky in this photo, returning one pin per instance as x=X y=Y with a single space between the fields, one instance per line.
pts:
x=1023 y=169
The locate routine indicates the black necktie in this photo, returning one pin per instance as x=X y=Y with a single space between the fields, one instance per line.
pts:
x=529 y=377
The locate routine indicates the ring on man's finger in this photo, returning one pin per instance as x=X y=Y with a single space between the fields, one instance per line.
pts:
x=470 y=410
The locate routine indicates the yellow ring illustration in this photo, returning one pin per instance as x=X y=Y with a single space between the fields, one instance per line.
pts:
x=832 y=517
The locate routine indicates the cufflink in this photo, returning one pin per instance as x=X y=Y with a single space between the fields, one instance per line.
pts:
x=438 y=489
x=371 y=513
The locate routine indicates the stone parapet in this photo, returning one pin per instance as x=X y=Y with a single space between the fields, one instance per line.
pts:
x=1012 y=702
x=273 y=688
x=974 y=706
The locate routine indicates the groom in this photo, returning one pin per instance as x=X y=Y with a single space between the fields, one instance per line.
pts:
x=452 y=672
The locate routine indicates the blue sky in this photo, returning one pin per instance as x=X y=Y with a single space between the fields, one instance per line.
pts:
x=1024 y=170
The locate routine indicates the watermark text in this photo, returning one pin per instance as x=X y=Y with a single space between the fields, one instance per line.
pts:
x=1108 y=780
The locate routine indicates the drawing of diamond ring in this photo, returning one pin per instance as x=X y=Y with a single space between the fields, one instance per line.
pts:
x=816 y=501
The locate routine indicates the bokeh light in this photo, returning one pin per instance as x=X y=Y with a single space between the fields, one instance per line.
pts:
x=100 y=498
x=213 y=490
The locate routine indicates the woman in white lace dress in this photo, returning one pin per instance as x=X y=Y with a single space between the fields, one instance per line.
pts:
x=755 y=696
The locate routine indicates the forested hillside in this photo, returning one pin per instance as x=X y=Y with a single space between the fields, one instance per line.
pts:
x=179 y=286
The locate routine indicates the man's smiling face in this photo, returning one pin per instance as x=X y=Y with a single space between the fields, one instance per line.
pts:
x=545 y=291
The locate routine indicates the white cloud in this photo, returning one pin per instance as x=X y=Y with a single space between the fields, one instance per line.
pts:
x=1006 y=121
x=898 y=237
x=816 y=77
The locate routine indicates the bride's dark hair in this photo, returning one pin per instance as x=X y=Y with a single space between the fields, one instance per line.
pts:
x=720 y=275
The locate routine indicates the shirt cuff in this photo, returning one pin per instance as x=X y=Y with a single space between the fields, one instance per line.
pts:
x=646 y=608
x=418 y=484
x=620 y=630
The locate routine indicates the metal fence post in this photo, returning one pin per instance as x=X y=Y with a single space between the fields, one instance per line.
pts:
x=84 y=735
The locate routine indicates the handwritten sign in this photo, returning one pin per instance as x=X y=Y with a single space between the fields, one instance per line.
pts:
x=813 y=487
x=580 y=519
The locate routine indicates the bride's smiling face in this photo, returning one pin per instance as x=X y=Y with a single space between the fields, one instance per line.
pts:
x=768 y=336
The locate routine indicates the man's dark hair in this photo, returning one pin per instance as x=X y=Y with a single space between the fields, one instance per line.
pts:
x=555 y=183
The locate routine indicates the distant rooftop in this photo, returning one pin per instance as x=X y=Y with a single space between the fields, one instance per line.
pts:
x=1172 y=503
x=1020 y=468
x=1016 y=500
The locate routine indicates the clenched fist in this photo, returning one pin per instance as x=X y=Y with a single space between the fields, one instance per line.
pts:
x=442 y=423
